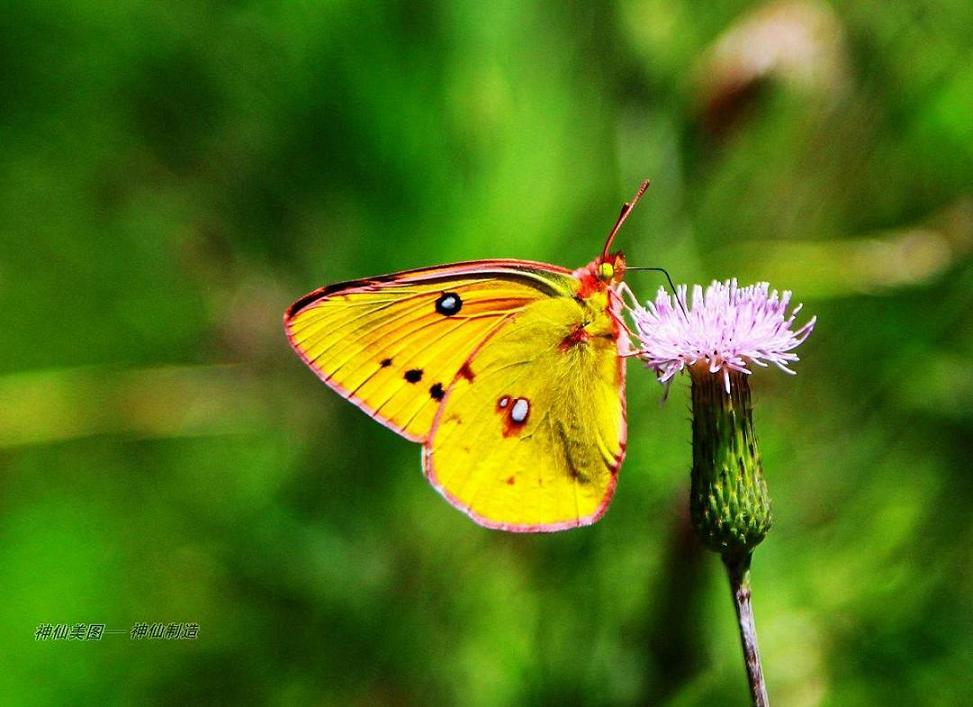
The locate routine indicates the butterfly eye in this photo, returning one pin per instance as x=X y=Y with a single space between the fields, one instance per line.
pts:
x=606 y=271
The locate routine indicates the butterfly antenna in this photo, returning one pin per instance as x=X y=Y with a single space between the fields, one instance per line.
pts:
x=626 y=210
x=671 y=285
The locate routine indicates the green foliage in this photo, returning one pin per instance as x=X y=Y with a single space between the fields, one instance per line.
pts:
x=173 y=174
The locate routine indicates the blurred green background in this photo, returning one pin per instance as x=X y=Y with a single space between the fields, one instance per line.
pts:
x=174 y=174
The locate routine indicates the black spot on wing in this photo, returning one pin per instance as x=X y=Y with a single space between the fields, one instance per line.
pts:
x=413 y=375
x=386 y=362
x=436 y=391
x=449 y=303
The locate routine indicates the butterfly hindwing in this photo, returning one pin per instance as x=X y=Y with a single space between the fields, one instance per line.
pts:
x=531 y=436
x=392 y=345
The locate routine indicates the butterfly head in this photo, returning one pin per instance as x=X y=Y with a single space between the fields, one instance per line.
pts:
x=601 y=273
x=610 y=269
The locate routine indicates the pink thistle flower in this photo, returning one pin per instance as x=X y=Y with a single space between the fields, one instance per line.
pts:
x=717 y=337
x=725 y=329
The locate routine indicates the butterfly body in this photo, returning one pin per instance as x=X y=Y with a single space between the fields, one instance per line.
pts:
x=510 y=373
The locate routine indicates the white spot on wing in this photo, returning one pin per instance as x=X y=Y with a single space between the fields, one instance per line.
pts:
x=519 y=411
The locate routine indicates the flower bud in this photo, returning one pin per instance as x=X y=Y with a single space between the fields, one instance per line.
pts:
x=729 y=503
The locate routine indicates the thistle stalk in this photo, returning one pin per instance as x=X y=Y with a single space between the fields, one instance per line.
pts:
x=739 y=574
x=729 y=503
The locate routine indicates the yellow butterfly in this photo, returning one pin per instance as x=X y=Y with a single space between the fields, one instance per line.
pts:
x=511 y=374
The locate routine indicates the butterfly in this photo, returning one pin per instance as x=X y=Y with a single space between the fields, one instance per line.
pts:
x=510 y=373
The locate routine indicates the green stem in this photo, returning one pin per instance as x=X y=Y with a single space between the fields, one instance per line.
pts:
x=738 y=571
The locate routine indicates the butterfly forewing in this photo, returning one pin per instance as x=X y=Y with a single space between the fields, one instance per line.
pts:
x=392 y=345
